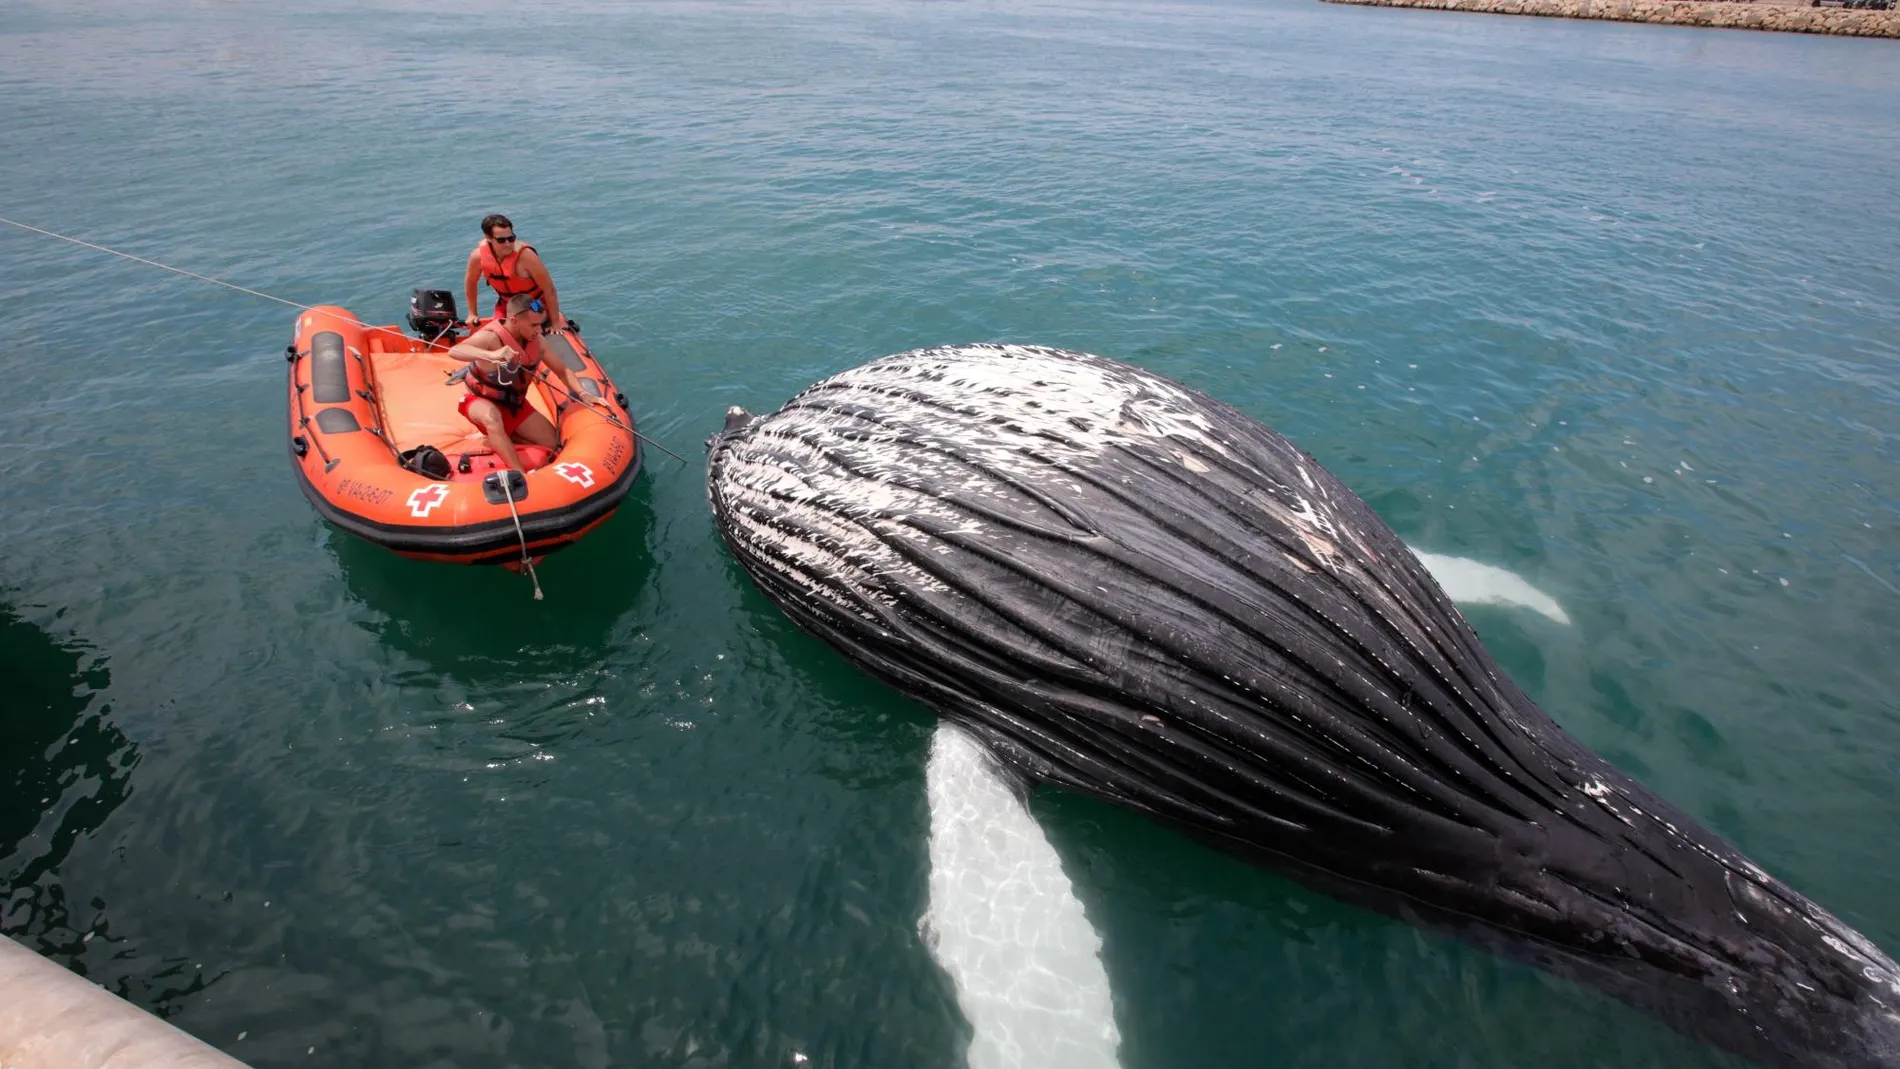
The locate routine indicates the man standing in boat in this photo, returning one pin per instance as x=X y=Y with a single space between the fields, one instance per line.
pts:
x=511 y=268
x=503 y=358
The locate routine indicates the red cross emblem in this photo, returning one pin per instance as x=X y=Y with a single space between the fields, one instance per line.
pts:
x=423 y=500
x=575 y=472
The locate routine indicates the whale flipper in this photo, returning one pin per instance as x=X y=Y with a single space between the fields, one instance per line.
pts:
x=1004 y=922
x=1470 y=582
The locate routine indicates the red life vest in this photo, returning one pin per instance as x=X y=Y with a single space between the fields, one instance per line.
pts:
x=506 y=385
x=501 y=274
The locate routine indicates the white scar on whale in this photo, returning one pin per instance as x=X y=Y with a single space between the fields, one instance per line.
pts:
x=1003 y=919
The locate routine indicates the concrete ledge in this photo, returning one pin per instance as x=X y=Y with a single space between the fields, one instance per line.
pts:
x=51 y=1019
x=1719 y=13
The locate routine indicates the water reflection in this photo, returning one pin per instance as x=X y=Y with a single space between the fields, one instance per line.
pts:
x=482 y=625
x=64 y=769
x=478 y=678
x=859 y=732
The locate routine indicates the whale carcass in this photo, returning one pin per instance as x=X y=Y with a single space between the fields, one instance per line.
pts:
x=1128 y=589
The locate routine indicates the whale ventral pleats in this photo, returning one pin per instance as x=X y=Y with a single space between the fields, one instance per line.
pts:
x=1128 y=589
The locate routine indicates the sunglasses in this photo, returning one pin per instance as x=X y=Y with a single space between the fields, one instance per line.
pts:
x=509 y=240
x=536 y=305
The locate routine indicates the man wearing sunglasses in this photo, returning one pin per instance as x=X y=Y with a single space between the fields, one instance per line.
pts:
x=511 y=267
x=503 y=358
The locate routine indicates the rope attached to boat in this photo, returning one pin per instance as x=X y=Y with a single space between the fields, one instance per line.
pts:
x=280 y=300
x=155 y=263
x=508 y=488
x=547 y=380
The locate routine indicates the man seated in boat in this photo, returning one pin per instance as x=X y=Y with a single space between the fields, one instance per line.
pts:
x=503 y=359
x=511 y=267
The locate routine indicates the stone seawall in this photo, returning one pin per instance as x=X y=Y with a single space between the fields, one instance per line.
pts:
x=1739 y=16
x=53 y=1019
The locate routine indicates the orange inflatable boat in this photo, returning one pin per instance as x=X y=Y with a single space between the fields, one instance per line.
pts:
x=362 y=397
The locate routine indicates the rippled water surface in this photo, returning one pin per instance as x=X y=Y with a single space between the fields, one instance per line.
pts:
x=1608 y=307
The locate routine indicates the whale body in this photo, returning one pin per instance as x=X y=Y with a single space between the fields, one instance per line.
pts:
x=1125 y=588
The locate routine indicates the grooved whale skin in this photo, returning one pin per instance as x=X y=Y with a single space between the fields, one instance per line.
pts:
x=1128 y=589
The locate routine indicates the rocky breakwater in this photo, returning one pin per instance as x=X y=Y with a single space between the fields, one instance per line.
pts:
x=1740 y=16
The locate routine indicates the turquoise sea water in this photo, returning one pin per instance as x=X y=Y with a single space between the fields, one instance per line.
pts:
x=1612 y=307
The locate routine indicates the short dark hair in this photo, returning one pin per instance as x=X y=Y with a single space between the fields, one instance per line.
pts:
x=489 y=224
x=518 y=303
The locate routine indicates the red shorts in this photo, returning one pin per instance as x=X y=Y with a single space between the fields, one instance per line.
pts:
x=511 y=418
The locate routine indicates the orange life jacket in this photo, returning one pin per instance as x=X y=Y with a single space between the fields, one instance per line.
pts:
x=506 y=385
x=501 y=274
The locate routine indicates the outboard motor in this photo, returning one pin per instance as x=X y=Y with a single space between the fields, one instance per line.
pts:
x=432 y=314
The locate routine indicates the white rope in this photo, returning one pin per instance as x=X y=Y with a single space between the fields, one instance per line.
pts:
x=548 y=380
x=293 y=304
x=508 y=487
x=180 y=271
x=155 y=263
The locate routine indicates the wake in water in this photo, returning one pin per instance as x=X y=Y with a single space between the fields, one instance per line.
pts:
x=1003 y=919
